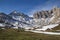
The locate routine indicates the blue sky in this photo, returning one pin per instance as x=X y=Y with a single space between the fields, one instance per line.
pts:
x=27 y=6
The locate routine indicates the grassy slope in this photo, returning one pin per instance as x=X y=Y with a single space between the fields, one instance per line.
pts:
x=11 y=34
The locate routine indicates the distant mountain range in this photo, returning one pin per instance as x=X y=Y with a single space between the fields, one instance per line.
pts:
x=38 y=21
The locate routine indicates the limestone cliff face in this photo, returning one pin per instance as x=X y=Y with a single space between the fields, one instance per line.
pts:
x=53 y=14
x=43 y=14
x=56 y=12
x=42 y=17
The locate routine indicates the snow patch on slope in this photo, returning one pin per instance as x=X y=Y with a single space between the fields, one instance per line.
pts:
x=2 y=25
x=48 y=27
x=51 y=33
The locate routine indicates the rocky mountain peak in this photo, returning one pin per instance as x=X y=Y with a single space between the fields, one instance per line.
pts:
x=16 y=13
x=42 y=14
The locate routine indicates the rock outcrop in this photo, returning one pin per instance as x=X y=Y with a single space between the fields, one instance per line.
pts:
x=43 y=14
x=56 y=15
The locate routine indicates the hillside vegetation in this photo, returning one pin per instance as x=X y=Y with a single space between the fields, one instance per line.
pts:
x=14 y=34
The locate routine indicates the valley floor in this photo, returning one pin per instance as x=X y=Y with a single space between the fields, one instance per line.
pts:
x=14 y=34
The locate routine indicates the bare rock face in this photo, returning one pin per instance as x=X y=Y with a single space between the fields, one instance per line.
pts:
x=43 y=14
x=53 y=15
x=42 y=17
x=56 y=16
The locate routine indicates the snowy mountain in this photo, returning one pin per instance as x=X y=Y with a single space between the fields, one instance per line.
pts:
x=22 y=20
x=41 y=20
x=47 y=19
x=19 y=16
